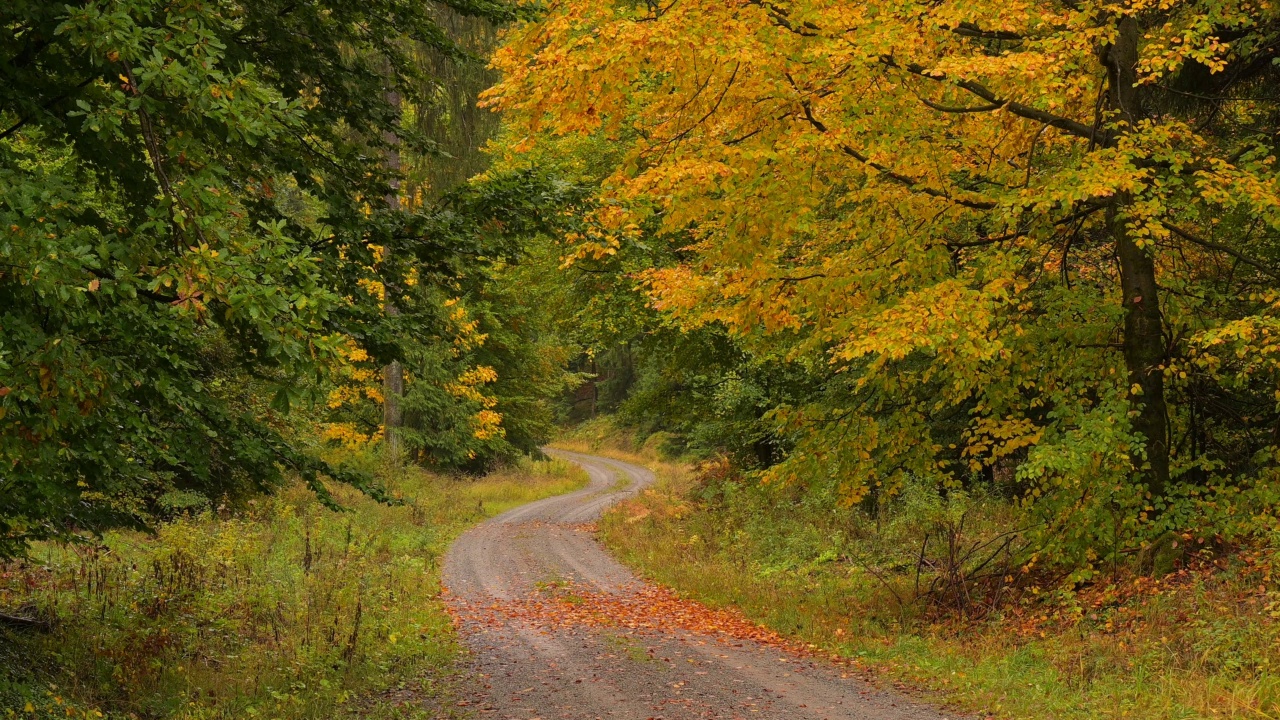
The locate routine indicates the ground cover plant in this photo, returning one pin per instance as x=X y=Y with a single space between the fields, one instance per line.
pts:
x=1200 y=639
x=282 y=609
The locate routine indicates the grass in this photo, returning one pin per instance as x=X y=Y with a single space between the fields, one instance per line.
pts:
x=1202 y=642
x=285 y=610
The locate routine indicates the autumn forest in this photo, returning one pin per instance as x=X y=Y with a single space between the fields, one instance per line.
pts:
x=351 y=353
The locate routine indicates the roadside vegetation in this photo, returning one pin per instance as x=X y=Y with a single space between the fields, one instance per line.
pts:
x=278 y=608
x=261 y=356
x=964 y=315
x=1198 y=636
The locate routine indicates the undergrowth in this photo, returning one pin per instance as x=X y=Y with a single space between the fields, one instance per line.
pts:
x=284 y=609
x=1201 y=640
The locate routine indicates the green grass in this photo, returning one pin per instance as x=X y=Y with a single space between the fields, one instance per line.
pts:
x=1201 y=643
x=285 y=610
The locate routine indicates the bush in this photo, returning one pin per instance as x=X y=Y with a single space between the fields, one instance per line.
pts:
x=285 y=610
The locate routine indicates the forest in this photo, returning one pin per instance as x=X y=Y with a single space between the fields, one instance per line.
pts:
x=950 y=332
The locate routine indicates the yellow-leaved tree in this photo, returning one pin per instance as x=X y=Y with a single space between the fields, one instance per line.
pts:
x=1029 y=237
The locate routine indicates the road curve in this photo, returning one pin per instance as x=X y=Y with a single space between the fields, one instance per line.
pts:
x=530 y=669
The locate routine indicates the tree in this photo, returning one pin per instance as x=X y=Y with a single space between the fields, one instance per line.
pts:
x=481 y=383
x=189 y=216
x=1040 y=236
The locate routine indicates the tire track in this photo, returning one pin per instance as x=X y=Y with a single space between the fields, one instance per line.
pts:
x=554 y=671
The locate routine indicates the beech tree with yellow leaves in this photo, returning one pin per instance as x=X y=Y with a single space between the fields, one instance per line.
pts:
x=1033 y=241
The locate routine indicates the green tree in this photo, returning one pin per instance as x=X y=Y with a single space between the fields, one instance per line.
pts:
x=191 y=201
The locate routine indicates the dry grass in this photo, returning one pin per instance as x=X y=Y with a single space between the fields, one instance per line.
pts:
x=286 y=610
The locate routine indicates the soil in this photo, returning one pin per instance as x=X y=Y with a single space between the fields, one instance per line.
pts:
x=559 y=630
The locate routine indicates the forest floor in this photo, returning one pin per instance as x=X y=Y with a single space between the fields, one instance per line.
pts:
x=1202 y=641
x=559 y=630
x=282 y=609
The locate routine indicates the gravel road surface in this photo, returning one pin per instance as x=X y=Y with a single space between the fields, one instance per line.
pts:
x=530 y=664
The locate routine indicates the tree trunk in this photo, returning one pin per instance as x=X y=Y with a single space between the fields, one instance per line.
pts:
x=393 y=373
x=392 y=416
x=1144 y=350
x=1144 y=343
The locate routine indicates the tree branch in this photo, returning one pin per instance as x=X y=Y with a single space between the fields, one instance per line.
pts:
x=23 y=121
x=985 y=240
x=953 y=109
x=905 y=180
x=1023 y=111
x=801 y=278
x=1081 y=214
x=1193 y=238
x=779 y=17
x=17 y=621
x=154 y=152
x=968 y=29
x=166 y=299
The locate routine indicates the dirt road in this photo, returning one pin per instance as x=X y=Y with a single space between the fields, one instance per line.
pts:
x=560 y=630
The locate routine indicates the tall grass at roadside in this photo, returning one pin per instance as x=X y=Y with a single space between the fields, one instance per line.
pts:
x=284 y=610
x=1202 y=642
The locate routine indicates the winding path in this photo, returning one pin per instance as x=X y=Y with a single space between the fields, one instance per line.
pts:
x=530 y=668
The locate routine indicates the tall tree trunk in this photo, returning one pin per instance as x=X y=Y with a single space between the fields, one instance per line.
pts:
x=1144 y=349
x=1144 y=343
x=392 y=416
x=393 y=373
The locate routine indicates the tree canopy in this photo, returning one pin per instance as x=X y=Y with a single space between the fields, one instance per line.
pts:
x=1031 y=242
x=196 y=236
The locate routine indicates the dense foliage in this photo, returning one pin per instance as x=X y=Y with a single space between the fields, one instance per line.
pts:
x=1030 y=245
x=212 y=214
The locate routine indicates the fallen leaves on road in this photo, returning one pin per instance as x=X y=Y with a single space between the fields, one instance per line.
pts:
x=642 y=608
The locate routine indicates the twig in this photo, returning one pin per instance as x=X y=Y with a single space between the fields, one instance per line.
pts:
x=1190 y=237
x=23 y=623
x=152 y=145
